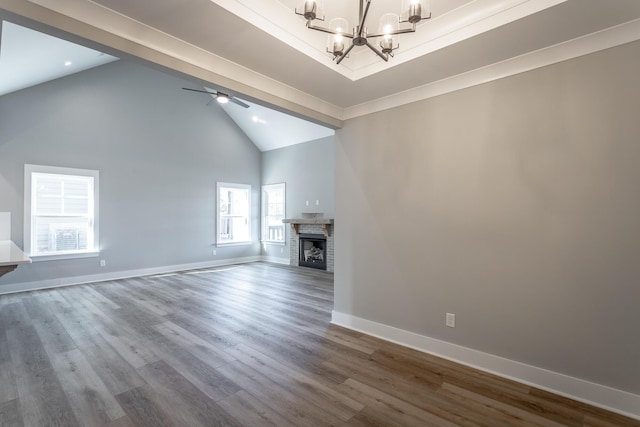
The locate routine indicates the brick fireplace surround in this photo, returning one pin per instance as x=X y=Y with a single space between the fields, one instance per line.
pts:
x=322 y=226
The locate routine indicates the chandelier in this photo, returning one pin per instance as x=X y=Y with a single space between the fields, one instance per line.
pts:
x=388 y=29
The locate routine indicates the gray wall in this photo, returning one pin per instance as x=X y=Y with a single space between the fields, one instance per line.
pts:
x=514 y=205
x=308 y=171
x=159 y=151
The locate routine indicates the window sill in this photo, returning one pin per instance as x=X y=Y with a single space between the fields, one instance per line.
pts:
x=274 y=243
x=220 y=245
x=68 y=255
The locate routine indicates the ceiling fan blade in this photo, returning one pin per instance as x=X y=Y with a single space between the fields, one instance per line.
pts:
x=238 y=102
x=200 y=90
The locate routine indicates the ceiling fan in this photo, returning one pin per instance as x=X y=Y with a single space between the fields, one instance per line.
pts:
x=221 y=97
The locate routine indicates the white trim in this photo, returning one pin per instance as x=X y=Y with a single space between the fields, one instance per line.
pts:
x=224 y=245
x=29 y=171
x=276 y=260
x=231 y=75
x=264 y=189
x=608 y=398
x=245 y=187
x=116 y=275
x=614 y=400
x=69 y=255
x=227 y=73
x=272 y=243
x=463 y=23
x=591 y=43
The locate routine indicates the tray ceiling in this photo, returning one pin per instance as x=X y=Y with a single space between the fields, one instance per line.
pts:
x=262 y=50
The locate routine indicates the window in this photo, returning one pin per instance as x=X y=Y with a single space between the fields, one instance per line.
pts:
x=61 y=212
x=234 y=207
x=273 y=211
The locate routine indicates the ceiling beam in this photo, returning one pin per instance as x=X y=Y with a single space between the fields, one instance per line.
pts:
x=31 y=15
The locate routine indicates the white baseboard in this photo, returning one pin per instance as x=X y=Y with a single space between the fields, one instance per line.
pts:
x=608 y=398
x=276 y=260
x=103 y=277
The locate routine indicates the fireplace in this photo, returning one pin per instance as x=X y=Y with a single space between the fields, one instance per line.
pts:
x=313 y=251
x=317 y=229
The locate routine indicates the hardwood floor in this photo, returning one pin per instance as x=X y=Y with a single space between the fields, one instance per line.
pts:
x=246 y=345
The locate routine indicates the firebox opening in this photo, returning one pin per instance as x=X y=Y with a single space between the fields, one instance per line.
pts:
x=313 y=251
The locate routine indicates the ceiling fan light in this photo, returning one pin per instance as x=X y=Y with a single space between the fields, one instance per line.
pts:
x=222 y=98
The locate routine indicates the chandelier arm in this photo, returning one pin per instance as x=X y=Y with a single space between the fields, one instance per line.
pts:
x=359 y=35
x=363 y=16
x=344 y=55
x=393 y=33
x=329 y=31
x=421 y=18
x=380 y=54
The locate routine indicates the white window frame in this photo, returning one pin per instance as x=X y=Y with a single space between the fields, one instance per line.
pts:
x=264 y=206
x=220 y=215
x=29 y=217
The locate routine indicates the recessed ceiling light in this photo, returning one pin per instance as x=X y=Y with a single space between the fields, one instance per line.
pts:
x=68 y=63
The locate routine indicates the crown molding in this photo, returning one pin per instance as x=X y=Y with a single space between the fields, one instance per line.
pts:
x=105 y=27
x=464 y=22
x=591 y=43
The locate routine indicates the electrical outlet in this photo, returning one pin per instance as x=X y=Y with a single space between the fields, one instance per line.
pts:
x=317 y=202
x=306 y=203
x=281 y=250
x=215 y=252
x=103 y=263
x=451 y=320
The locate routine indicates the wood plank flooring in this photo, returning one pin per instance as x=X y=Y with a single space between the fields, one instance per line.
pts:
x=246 y=345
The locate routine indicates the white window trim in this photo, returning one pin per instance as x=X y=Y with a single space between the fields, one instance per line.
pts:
x=28 y=171
x=242 y=187
x=262 y=214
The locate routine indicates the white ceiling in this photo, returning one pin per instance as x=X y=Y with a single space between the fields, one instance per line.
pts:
x=29 y=57
x=270 y=129
x=261 y=50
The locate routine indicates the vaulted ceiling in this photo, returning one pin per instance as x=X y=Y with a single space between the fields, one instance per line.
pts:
x=262 y=51
x=29 y=58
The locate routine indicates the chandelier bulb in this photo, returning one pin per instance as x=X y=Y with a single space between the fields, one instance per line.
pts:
x=310 y=10
x=415 y=11
x=340 y=43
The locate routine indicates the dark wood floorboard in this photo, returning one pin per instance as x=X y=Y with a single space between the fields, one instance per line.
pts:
x=247 y=345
